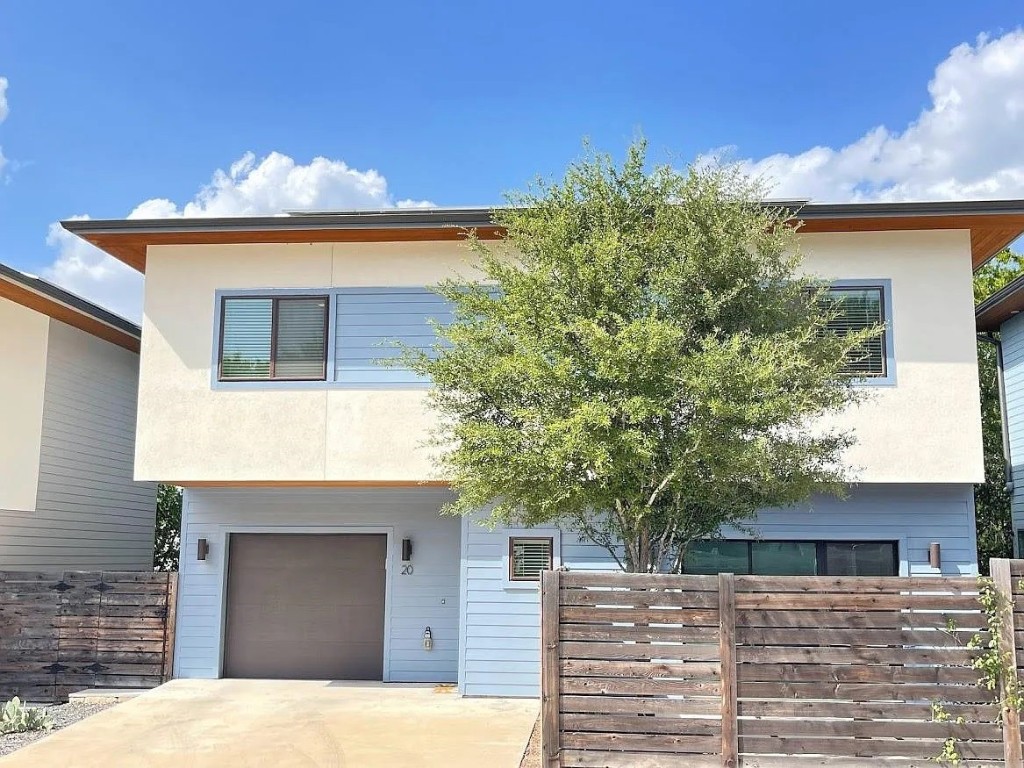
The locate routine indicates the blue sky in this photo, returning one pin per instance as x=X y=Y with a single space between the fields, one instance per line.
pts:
x=111 y=105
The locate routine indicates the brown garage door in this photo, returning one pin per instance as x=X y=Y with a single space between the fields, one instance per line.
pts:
x=305 y=606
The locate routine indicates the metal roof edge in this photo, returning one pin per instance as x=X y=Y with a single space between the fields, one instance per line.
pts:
x=75 y=302
x=483 y=217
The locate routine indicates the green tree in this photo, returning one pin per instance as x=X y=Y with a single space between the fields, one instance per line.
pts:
x=991 y=499
x=641 y=360
x=168 y=528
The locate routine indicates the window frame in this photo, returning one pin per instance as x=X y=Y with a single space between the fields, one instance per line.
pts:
x=511 y=573
x=330 y=381
x=275 y=300
x=528 y=533
x=821 y=552
x=884 y=286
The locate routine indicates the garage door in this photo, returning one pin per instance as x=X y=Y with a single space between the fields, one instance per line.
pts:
x=305 y=606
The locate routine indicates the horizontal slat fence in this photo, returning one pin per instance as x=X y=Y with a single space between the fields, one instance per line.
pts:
x=666 y=670
x=62 y=632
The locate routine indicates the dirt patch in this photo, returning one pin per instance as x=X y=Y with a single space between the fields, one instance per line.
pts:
x=531 y=759
x=62 y=715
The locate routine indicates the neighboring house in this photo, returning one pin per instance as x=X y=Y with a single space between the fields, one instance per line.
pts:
x=68 y=500
x=312 y=544
x=1001 y=314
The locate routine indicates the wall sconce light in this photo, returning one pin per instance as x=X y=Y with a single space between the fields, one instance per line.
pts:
x=935 y=555
x=202 y=550
x=406 y=550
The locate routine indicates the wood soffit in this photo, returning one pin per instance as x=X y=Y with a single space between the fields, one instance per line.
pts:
x=990 y=233
x=19 y=294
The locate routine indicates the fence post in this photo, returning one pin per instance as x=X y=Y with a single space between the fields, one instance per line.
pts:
x=550 y=731
x=170 y=624
x=727 y=655
x=1003 y=583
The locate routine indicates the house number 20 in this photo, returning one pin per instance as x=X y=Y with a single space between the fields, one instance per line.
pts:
x=407 y=569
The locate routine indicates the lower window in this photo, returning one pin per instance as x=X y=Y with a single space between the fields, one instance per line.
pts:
x=793 y=558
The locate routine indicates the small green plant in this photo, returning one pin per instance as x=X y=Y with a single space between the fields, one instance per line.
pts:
x=949 y=754
x=996 y=671
x=15 y=717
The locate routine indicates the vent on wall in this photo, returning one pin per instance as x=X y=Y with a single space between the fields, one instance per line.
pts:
x=527 y=557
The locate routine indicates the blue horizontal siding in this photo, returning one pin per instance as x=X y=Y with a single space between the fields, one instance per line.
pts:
x=1012 y=336
x=500 y=627
x=372 y=323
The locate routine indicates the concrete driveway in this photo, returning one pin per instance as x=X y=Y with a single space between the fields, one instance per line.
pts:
x=285 y=724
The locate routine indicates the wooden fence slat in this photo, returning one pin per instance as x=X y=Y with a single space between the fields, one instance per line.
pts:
x=588 y=580
x=677 y=726
x=551 y=734
x=854 y=673
x=598 y=759
x=582 y=614
x=727 y=657
x=1002 y=580
x=636 y=651
x=967 y=694
x=651 y=670
x=621 y=686
x=631 y=705
x=835 y=601
x=674 y=599
x=857 y=584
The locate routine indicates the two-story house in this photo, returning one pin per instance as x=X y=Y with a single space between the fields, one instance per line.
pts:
x=312 y=543
x=68 y=391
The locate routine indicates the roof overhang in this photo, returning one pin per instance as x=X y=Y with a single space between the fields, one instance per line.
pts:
x=992 y=226
x=1000 y=306
x=44 y=297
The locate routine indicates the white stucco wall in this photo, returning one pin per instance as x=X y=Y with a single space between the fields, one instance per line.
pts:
x=924 y=429
x=927 y=428
x=23 y=338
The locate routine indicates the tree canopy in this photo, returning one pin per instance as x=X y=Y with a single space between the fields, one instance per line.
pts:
x=640 y=358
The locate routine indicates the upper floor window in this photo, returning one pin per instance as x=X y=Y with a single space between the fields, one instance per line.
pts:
x=858 y=308
x=273 y=338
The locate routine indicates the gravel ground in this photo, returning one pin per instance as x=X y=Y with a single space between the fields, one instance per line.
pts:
x=62 y=715
x=532 y=757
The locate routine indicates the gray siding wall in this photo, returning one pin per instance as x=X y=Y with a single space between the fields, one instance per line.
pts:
x=427 y=597
x=89 y=514
x=1012 y=336
x=500 y=626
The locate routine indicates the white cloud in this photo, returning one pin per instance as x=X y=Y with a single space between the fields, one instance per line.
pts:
x=967 y=144
x=5 y=110
x=251 y=186
x=4 y=107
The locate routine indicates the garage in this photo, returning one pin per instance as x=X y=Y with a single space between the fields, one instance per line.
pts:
x=305 y=606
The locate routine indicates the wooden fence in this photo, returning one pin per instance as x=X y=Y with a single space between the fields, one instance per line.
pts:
x=62 y=632
x=663 y=670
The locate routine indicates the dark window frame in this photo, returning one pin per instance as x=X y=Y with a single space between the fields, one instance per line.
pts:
x=275 y=301
x=820 y=551
x=883 y=338
x=549 y=540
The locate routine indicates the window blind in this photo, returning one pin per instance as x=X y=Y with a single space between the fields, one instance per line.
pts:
x=245 y=338
x=857 y=309
x=528 y=557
